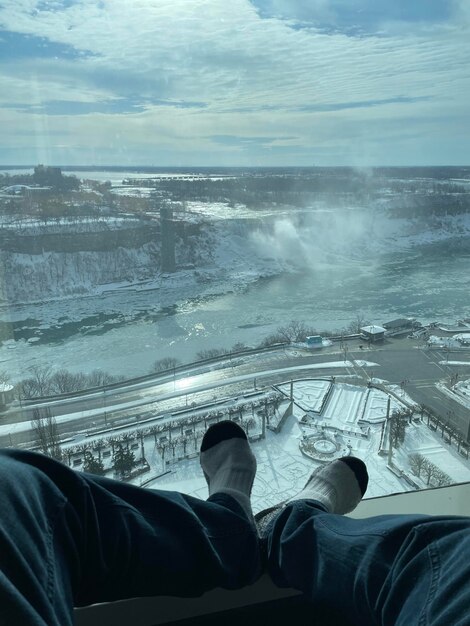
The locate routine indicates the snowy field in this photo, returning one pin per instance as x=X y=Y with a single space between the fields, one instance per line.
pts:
x=310 y=395
x=282 y=468
x=375 y=408
x=346 y=403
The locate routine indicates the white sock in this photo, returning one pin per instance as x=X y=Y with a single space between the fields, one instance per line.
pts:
x=228 y=463
x=339 y=486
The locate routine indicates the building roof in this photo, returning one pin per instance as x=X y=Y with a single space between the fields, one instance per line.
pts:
x=373 y=330
x=398 y=323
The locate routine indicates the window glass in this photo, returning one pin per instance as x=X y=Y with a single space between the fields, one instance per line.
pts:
x=257 y=211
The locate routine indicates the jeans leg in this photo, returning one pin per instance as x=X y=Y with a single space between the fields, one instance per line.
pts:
x=70 y=539
x=390 y=570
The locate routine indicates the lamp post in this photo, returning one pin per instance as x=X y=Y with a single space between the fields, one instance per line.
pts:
x=104 y=407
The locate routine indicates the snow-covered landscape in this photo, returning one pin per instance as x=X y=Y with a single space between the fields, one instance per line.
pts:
x=326 y=420
x=89 y=291
x=320 y=263
x=255 y=211
x=234 y=248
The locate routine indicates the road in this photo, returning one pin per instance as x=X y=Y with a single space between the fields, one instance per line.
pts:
x=399 y=361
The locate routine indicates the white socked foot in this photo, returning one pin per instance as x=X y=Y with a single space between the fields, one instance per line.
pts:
x=228 y=462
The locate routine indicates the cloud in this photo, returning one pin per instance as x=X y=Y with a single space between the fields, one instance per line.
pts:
x=364 y=104
x=208 y=80
x=237 y=140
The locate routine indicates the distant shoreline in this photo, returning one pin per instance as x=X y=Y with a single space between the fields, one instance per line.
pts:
x=239 y=168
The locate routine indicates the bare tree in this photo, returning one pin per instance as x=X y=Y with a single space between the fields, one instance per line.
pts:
x=211 y=353
x=294 y=331
x=47 y=434
x=127 y=438
x=112 y=441
x=99 y=447
x=168 y=363
x=238 y=347
x=441 y=479
x=4 y=377
x=428 y=469
x=358 y=322
x=64 y=381
x=42 y=377
x=28 y=388
x=162 y=447
x=432 y=473
x=153 y=431
x=98 y=378
x=272 y=339
x=417 y=462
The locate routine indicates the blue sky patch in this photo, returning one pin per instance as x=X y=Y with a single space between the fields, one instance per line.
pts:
x=70 y=107
x=54 y=5
x=110 y=107
x=355 y=16
x=15 y=46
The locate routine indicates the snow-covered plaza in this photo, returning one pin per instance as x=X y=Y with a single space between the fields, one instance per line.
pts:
x=294 y=428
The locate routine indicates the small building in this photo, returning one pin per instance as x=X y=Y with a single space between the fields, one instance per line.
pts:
x=373 y=333
x=314 y=341
x=463 y=339
x=401 y=325
x=6 y=394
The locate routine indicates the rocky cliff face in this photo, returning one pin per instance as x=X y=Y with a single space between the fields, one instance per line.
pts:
x=50 y=275
x=40 y=262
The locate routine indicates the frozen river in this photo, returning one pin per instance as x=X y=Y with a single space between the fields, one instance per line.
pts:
x=124 y=332
x=356 y=265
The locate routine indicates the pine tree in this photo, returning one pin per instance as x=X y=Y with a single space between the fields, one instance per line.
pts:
x=398 y=423
x=123 y=460
x=92 y=465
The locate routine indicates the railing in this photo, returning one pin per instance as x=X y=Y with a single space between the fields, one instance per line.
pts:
x=154 y=376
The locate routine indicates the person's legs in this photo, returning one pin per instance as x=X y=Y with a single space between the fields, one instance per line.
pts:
x=70 y=539
x=392 y=570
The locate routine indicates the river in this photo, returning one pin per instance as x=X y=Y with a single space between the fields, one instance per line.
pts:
x=124 y=332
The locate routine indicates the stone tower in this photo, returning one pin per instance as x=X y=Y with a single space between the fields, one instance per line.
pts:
x=167 y=227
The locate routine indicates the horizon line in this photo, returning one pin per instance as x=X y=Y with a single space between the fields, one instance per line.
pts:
x=124 y=167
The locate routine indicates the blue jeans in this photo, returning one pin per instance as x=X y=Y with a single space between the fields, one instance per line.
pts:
x=70 y=539
x=400 y=570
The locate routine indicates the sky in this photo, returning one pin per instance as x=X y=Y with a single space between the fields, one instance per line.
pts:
x=239 y=83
